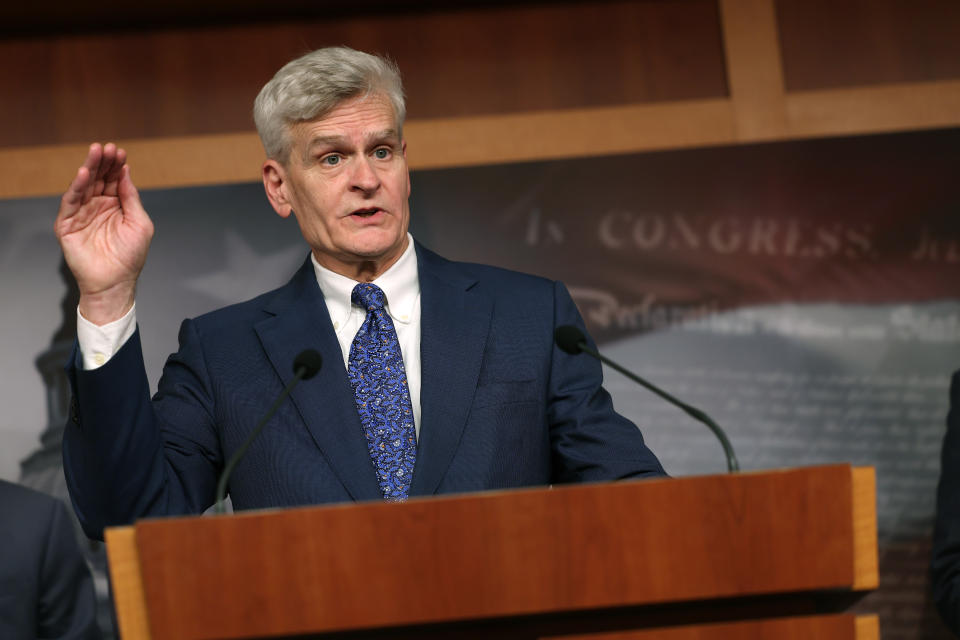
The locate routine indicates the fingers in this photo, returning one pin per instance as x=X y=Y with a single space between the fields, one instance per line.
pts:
x=77 y=191
x=105 y=164
x=94 y=156
x=92 y=165
x=100 y=174
x=127 y=192
x=113 y=171
x=74 y=194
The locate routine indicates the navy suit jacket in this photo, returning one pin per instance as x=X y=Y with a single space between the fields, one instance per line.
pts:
x=501 y=406
x=45 y=587
x=945 y=565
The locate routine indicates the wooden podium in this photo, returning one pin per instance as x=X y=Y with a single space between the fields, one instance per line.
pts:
x=755 y=555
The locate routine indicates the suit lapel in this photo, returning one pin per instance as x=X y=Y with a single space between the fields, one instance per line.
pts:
x=454 y=323
x=299 y=320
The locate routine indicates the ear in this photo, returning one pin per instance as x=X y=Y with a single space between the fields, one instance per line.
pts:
x=403 y=149
x=275 y=184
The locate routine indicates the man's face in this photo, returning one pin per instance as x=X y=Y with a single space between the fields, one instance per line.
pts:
x=347 y=182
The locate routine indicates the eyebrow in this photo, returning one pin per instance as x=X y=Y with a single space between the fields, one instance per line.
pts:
x=336 y=141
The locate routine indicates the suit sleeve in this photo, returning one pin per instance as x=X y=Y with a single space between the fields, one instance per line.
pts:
x=66 y=602
x=590 y=441
x=945 y=564
x=127 y=457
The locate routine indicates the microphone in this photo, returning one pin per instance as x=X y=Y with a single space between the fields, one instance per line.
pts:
x=305 y=366
x=571 y=340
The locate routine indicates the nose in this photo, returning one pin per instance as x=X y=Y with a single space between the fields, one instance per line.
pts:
x=365 y=177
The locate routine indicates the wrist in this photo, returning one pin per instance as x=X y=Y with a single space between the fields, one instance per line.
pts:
x=107 y=306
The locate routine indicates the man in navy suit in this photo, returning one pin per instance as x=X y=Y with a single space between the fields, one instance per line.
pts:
x=45 y=587
x=481 y=398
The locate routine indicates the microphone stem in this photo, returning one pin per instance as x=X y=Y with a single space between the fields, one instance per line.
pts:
x=693 y=412
x=219 y=507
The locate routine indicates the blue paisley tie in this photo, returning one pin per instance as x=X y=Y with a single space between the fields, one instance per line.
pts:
x=383 y=401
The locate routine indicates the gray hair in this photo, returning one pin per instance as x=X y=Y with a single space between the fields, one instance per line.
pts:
x=313 y=85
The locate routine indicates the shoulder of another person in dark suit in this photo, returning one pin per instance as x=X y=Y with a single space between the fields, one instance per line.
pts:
x=945 y=556
x=41 y=559
x=24 y=509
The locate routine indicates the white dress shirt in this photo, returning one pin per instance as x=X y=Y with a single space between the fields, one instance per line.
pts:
x=400 y=284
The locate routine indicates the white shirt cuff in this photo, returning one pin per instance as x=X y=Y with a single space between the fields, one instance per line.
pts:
x=98 y=344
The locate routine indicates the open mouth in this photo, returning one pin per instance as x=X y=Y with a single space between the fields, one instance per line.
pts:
x=365 y=213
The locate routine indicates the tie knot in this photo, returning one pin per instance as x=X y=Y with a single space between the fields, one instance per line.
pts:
x=369 y=296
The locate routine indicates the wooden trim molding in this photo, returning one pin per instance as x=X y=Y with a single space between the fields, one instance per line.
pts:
x=126 y=579
x=754 y=68
x=878 y=109
x=436 y=143
x=866 y=571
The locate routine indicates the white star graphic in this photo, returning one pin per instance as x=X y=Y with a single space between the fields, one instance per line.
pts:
x=247 y=273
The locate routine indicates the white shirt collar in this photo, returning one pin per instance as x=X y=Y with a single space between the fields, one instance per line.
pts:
x=400 y=284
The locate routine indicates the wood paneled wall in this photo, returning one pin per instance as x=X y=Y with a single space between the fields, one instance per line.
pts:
x=180 y=82
x=496 y=84
x=828 y=44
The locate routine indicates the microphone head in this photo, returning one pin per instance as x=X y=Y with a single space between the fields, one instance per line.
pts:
x=569 y=338
x=309 y=361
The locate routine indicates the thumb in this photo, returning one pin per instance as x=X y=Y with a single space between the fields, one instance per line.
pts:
x=128 y=195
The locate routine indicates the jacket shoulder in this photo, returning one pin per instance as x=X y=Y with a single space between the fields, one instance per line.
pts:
x=481 y=273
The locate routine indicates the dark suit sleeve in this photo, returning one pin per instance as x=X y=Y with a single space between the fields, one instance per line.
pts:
x=590 y=441
x=127 y=457
x=945 y=565
x=66 y=602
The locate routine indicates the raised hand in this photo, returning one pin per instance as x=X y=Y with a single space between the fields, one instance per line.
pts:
x=104 y=233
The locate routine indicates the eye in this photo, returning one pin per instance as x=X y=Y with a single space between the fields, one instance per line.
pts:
x=382 y=153
x=332 y=160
